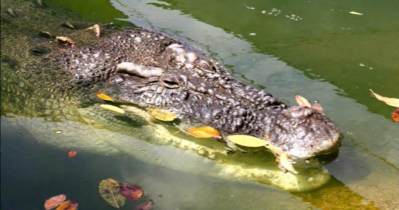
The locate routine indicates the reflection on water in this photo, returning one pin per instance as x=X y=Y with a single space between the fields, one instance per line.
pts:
x=319 y=59
x=52 y=172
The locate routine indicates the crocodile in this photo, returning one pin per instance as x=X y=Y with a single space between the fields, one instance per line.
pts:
x=151 y=69
x=139 y=67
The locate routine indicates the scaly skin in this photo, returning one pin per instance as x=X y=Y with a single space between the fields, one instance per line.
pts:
x=152 y=70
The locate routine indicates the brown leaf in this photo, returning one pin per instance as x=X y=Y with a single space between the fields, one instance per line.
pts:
x=389 y=101
x=54 y=201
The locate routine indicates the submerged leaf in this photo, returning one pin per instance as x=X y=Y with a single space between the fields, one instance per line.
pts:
x=395 y=115
x=103 y=96
x=389 y=101
x=67 y=205
x=72 y=153
x=161 y=114
x=247 y=141
x=131 y=192
x=54 y=201
x=302 y=101
x=204 y=132
x=146 y=206
x=112 y=108
x=109 y=191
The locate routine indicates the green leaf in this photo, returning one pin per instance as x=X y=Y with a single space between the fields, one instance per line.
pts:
x=247 y=141
x=109 y=191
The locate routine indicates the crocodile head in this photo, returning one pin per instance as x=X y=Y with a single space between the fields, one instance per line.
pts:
x=304 y=132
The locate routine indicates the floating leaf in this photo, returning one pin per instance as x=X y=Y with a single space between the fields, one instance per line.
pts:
x=67 y=205
x=302 y=101
x=72 y=153
x=246 y=141
x=131 y=192
x=109 y=191
x=65 y=40
x=395 y=115
x=389 y=101
x=112 y=108
x=355 y=13
x=103 y=96
x=161 y=114
x=54 y=201
x=146 y=206
x=204 y=132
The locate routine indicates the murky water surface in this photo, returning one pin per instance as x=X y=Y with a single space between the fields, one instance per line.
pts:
x=333 y=52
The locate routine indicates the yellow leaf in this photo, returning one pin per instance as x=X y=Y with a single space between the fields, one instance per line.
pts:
x=109 y=191
x=302 y=101
x=204 y=132
x=247 y=141
x=112 y=108
x=103 y=96
x=389 y=101
x=161 y=114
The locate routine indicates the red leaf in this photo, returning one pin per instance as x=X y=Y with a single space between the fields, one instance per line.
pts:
x=395 y=115
x=131 y=192
x=72 y=153
x=146 y=206
x=54 y=201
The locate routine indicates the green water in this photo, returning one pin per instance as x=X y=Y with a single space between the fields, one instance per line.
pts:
x=315 y=49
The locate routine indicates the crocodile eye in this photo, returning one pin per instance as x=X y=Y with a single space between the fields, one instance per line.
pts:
x=170 y=81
